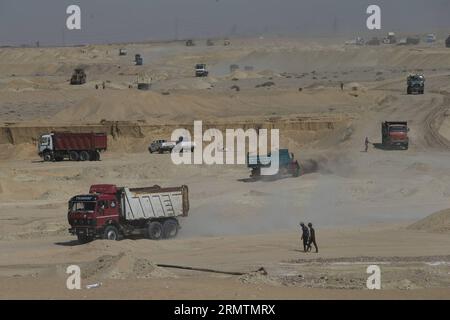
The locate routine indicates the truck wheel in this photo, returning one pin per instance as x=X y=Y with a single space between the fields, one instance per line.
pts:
x=256 y=172
x=84 y=239
x=74 y=156
x=84 y=156
x=155 y=230
x=48 y=157
x=170 y=229
x=111 y=233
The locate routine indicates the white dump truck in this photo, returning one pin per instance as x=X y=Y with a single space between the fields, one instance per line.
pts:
x=111 y=212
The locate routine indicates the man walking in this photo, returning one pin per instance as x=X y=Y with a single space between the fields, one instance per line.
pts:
x=366 y=144
x=312 y=238
x=305 y=236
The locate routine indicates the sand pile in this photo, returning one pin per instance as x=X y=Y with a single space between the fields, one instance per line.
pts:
x=437 y=222
x=122 y=266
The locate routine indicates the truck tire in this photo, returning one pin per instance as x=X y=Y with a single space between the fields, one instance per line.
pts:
x=256 y=172
x=84 y=156
x=111 y=233
x=170 y=229
x=155 y=230
x=48 y=157
x=82 y=239
x=96 y=156
x=74 y=156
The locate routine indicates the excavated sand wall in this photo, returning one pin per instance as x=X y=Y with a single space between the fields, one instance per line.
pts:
x=16 y=135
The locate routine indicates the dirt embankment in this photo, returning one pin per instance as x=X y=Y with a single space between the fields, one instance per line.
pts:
x=135 y=136
x=437 y=222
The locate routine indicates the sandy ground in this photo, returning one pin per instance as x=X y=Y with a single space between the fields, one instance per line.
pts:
x=368 y=208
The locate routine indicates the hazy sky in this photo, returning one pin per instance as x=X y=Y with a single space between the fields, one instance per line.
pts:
x=26 y=21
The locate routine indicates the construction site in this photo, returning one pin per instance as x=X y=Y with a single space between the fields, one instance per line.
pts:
x=229 y=236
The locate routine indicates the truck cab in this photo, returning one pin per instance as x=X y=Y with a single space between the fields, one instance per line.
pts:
x=287 y=163
x=45 y=146
x=89 y=214
x=395 y=134
x=200 y=70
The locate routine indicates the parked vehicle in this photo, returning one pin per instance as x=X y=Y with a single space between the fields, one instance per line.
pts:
x=110 y=212
x=162 y=146
x=122 y=52
x=395 y=134
x=200 y=70
x=287 y=164
x=57 y=146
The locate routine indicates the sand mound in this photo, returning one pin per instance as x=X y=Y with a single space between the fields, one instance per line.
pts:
x=122 y=266
x=437 y=222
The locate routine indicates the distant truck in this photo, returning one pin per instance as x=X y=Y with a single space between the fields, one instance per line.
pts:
x=58 y=146
x=138 y=60
x=415 y=84
x=395 y=134
x=122 y=52
x=200 y=70
x=287 y=164
x=430 y=38
x=162 y=146
x=78 y=77
x=390 y=39
x=110 y=212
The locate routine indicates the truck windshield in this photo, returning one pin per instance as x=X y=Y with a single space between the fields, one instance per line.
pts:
x=44 y=140
x=397 y=129
x=82 y=206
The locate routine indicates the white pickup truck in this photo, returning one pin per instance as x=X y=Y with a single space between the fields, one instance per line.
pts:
x=162 y=146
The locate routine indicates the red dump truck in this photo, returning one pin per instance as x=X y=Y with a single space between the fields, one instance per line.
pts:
x=58 y=146
x=110 y=212
x=395 y=134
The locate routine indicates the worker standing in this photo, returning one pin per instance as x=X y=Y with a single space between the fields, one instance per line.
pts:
x=366 y=144
x=312 y=238
x=342 y=86
x=305 y=236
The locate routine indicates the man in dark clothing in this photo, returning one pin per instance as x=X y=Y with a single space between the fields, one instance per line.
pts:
x=366 y=144
x=305 y=236
x=312 y=238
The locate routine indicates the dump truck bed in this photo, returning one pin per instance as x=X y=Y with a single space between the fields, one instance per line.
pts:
x=79 y=141
x=154 y=202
